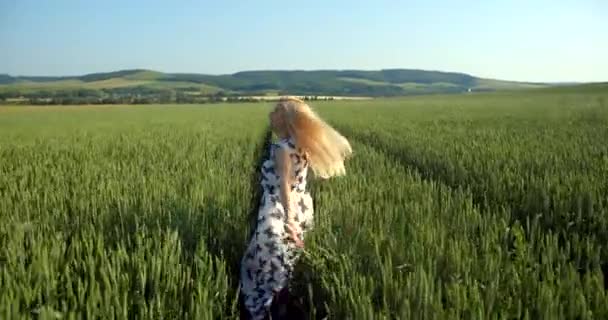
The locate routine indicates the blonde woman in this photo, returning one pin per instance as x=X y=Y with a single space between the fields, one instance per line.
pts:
x=286 y=209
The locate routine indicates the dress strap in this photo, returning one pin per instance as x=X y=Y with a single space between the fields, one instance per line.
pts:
x=286 y=143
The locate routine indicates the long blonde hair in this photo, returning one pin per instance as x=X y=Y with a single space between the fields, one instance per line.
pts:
x=326 y=148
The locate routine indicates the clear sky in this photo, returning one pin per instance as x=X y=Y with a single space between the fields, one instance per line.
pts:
x=528 y=40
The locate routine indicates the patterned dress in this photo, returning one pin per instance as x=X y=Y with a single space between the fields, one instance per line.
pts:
x=271 y=254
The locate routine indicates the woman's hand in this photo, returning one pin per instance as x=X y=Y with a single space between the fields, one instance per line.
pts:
x=294 y=229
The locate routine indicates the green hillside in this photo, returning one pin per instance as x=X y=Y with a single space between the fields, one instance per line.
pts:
x=337 y=82
x=147 y=86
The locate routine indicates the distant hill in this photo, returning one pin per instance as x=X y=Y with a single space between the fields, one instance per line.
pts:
x=389 y=82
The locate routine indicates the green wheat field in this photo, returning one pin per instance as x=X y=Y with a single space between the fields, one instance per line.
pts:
x=482 y=206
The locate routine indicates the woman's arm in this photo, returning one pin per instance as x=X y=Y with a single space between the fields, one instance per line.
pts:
x=283 y=167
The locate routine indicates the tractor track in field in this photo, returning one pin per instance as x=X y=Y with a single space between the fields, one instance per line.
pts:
x=398 y=157
x=262 y=153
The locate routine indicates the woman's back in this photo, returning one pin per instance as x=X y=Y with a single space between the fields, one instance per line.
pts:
x=298 y=168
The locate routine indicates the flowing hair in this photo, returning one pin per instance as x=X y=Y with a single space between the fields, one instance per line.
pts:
x=326 y=148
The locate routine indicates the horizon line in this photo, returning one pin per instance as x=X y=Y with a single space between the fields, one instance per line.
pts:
x=301 y=70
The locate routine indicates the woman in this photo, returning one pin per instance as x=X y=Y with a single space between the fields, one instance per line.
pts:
x=286 y=209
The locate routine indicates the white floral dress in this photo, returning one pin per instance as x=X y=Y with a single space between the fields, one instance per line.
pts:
x=271 y=254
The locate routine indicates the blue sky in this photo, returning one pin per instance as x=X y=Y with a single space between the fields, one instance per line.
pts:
x=533 y=40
